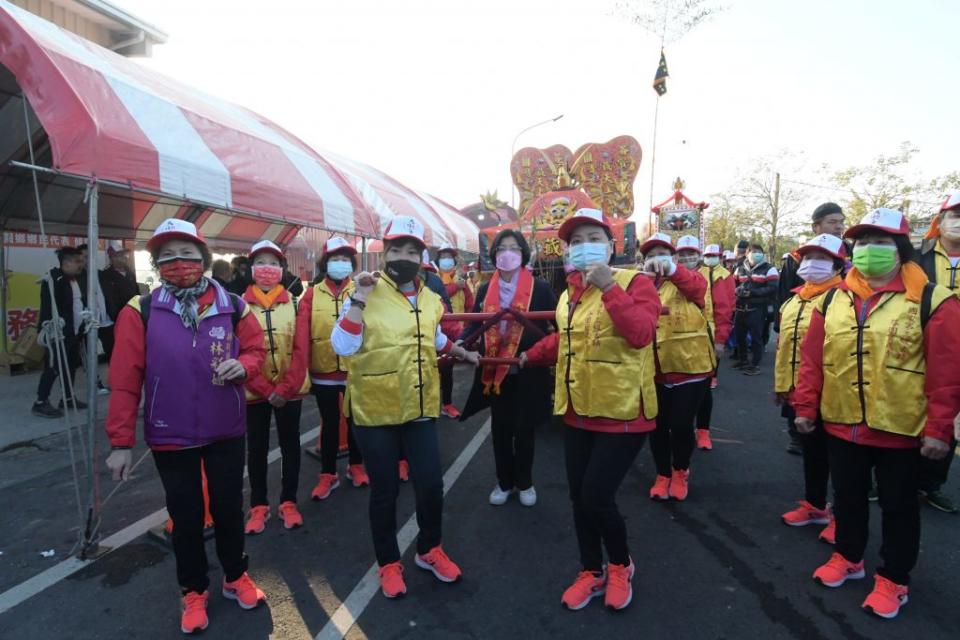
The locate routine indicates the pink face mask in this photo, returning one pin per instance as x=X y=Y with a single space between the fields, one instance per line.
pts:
x=267 y=276
x=509 y=260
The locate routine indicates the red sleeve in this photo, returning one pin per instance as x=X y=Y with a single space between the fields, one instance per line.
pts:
x=451 y=329
x=252 y=351
x=941 y=346
x=289 y=387
x=806 y=397
x=544 y=353
x=723 y=302
x=691 y=284
x=451 y=288
x=635 y=312
x=467 y=298
x=126 y=378
x=351 y=327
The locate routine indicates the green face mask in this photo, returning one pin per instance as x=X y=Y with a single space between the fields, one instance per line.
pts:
x=874 y=260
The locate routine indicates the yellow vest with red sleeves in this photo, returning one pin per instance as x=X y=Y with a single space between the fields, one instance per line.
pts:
x=712 y=275
x=279 y=324
x=458 y=300
x=874 y=371
x=323 y=315
x=684 y=343
x=598 y=373
x=795 y=315
x=393 y=378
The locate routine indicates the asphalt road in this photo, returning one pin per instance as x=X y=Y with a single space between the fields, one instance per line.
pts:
x=720 y=565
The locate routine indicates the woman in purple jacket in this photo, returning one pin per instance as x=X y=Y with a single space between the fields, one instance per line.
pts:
x=189 y=346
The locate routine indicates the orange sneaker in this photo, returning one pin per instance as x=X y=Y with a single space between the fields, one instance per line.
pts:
x=805 y=514
x=450 y=411
x=838 y=570
x=290 y=515
x=403 y=468
x=703 y=439
x=358 y=475
x=257 y=519
x=829 y=534
x=391 y=580
x=886 y=598
x=619 y=586
x=680 y=484
x=439 y=563
x=325 y=486
x=194 y=617
x=660 y=489
x=585 y=588
x=244 y=591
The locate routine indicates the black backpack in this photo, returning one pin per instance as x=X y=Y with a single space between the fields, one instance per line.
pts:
x=926 y=302
x=146 y=300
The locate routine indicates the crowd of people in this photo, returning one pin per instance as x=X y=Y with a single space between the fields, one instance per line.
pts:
x=862 y=374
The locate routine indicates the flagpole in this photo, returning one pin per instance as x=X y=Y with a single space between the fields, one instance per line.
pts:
x=653 y=162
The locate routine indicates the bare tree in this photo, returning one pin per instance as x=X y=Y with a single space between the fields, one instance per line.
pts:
x=669 y=19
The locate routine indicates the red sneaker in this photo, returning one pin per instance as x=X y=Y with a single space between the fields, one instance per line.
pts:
x=838 y=570
x=660 y=489
x=585 y=588
x=680 y=484
x=440 y=564
x=886 y=598
x=391 y=580
x=244 y=591
x=403 y=468
x=805 y=514
x=358 y=475
x=290 y=515
x=450 y=411
x=325 y=486
x=619 y=586
x=703 y=439
x=257 y=519
x=194 y=617
x=829 y=534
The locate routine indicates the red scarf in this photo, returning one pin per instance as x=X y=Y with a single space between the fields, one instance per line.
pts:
x=507 y=348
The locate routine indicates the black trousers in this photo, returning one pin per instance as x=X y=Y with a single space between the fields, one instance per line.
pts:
x=72 y=346
x=258 y=445
x=897 y=476
x=673 y=440
x=513 y=436
x=446 y=384
x=381 y=453
x=106 y=339
x=816 y=466
x=933 y=473
x=328 y=402
x=596 y=465
x=180 y=474
x=750 y=322
x=705 y=412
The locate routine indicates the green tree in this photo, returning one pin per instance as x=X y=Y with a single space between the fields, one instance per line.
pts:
x=882 y=183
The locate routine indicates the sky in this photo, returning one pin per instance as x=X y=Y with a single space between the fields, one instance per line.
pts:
x=434 y=91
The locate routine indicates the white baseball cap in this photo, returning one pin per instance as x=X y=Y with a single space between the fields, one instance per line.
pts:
x=826 y=243
x=712 y=250
x=658 y=240
x=174 y=228
x=265 y=245
x=580 y=218
x=335 y=244
x=952 y=201
x=405 y=227
x=689 y=242
x=887 y=220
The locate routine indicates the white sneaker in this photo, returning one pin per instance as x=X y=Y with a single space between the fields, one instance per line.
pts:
x=528 y=497
x=498 y=496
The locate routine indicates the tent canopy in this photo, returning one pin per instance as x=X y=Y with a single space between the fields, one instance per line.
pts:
x=159 y=149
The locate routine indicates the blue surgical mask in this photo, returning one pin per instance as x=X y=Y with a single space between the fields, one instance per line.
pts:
x=583 y=255
x=756 y=257
x=339 y=270
x=446 y=264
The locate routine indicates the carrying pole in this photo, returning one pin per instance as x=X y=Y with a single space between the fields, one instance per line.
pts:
x=93 y=284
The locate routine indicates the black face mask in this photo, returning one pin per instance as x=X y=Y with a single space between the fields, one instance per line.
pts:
x=402 y=271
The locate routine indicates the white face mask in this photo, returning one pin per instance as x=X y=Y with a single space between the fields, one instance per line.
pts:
x=690 y=262
x=711 y=261
x=950 y=228
x=664 y=260
x=816 y=270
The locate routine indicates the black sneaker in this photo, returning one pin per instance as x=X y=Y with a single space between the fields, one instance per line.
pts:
x=750 y=371
x=80 y=404
x=873 y=495
x=938 y=500
x=46 y=410
x=795 y=447
x=740 y=364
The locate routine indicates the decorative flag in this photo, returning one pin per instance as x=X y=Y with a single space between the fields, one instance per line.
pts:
x=660 y=81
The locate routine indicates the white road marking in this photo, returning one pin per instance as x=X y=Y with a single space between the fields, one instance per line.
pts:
x=347 y=613
x=46 y=579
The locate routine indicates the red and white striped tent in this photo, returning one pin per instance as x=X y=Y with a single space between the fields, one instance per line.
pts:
x=158 y=148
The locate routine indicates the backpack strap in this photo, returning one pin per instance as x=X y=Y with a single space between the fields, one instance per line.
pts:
x=827 y=299
x=926 y=302
x=928 y=262
x=235 y=304
x=145 y=301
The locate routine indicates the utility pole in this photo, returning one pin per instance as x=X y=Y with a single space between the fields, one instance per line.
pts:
x=776 y=214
